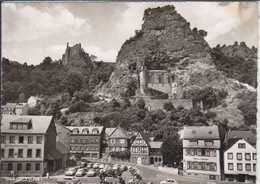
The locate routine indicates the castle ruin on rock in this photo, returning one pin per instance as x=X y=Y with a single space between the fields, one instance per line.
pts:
x=158 y=87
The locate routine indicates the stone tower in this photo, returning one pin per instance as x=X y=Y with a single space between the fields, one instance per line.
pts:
x=143 y=79
x=70 y=52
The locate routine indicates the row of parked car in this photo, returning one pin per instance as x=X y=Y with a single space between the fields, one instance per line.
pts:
x=93 y=169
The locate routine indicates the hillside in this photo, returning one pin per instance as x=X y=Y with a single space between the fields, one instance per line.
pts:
x=108 y=94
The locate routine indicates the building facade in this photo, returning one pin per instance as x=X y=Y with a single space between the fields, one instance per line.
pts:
x=28 y=146
x=119 y=140
x=145 y=151
x=201 y=152
x=21 y=109
x=86 y=141
x=239 y=160
x=9 y=108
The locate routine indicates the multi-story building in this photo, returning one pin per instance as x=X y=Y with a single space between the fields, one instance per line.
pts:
x=119 y=140
x=21 y=109
x=86 y=140
x=9 y=108
x=145 y=151
x=240 y=157
x=201 y=152
x=28 y=146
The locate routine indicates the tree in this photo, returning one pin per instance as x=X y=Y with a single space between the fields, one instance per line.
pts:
x=172 y=149
x=140 y=103
x=168 y=106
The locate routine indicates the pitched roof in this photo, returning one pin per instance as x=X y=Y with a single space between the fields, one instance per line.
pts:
x=146 y=137
x=40 y=124
x=19 y=105
x=249 y=136
x=201 y=132
x=230 y=144
x=62 y=126
x=90 y=128
x=109 y=131
x=10 y=105
x=156 y=145
x=118 y=134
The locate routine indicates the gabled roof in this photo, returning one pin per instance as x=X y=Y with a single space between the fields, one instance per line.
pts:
x=109 y=131
x=62 y=126
x=146 y=137
x=10 y=105
x=19 y=105
x=230 y=144
x=248 y=135
x=40 y=124
x=201 y=132
x=21 y=120
x=116 y=133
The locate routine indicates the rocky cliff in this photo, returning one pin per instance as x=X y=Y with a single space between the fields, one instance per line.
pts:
x=166 y=41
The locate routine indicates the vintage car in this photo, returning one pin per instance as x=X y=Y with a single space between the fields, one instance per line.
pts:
x=91 y=173
x=168 y=181
x=96 y=166
x=101 y=166
x=71 y=172
x=80 y=172
x=68 y=180
x=90 y=165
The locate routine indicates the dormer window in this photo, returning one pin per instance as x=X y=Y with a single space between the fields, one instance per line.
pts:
x=21 y=124
x=75 y=131
x=85 y=131
x=95 y=131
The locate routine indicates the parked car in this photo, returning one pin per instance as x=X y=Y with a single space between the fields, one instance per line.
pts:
x=91 y=173
x=168 y=181
x=107 y=167
x=96 y=166
x=80 y=172
x=82 y=164
x=101 y=166
x=25 y=181
x=71 y=172
x=68 y=180
x=110 y=173
x=90 y=165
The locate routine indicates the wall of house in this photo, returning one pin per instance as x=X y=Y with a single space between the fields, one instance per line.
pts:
x=234 y=149
x=63 y=135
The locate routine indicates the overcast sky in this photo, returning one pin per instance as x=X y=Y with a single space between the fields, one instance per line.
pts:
x=32 y=31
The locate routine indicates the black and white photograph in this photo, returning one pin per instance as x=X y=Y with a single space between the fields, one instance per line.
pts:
x=109 y=92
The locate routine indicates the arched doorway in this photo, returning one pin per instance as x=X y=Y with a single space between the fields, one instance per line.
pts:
x=139 y=160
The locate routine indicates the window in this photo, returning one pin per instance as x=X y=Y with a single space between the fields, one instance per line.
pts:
x=38 y=153
x=2 y=139
x=208 y=143
x=10 y=167
x=239 y=167
x=86 y=148
x=92 y=141
x=81 y=140
x=248 y=167
x=11 y=139
x=95 y=131
x=11 y=153
x=71 y=148
x=203 y=153
x=87 y=141
x=254 y=156
x=207 y=153
x=97 y=141
x=39 y=139
x=75 y=131
x=193 y=143
x=20 y=153
x=2 y=153
x=122 y=141
x=72 y=140
x=212 y=167
x=37 y=166
x=94 y=155
x=19 y=127
x=239 y=156
x=247 y=156
x=230 y=156
x=28 y=167
x=19 y=167
x=230 y=166
x=76 y=148
x=113 y=141
x=85 y=131
x=29 y=153
x=242 y=145
x=21 y=138
x=30 y=139
x=76 y=140
x=81 y=148
x=254 y=167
